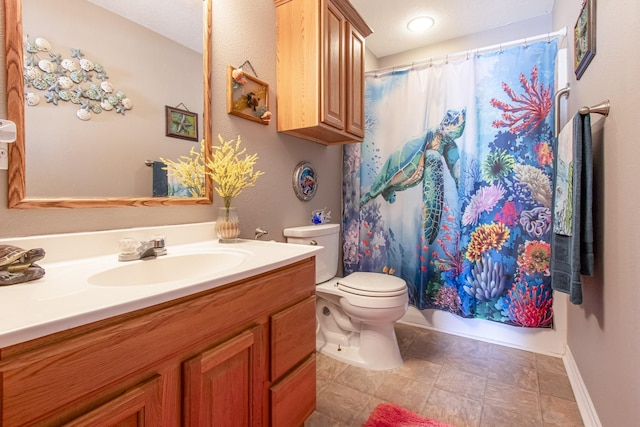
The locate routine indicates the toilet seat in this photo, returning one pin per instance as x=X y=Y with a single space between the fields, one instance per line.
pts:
x=372 y=284
x=391 y=291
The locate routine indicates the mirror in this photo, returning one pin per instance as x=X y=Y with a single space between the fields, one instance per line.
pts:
x=35 y=140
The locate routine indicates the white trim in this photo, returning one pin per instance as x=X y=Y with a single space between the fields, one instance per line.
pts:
x=585 y=405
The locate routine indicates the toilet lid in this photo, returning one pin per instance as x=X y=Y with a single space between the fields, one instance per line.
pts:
x=372 y=284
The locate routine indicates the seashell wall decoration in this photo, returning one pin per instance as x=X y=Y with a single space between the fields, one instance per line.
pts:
x=69 y=80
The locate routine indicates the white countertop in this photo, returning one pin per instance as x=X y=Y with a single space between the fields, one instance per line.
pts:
x=64 y=298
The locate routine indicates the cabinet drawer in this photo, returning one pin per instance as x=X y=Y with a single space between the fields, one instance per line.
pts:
x=293 y=399
x=293 y=336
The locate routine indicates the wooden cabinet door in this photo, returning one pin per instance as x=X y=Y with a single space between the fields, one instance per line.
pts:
x=293 y=336
x=355 y=81
x=223 y=385
x=137 y=407
x=293 y=398
x=333 y=66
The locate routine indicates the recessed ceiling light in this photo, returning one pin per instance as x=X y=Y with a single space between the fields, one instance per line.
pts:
x=421 y=23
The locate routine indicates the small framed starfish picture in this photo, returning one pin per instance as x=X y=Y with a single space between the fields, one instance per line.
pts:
x=181 y=123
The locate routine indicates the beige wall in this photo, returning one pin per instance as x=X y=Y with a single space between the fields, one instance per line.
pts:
x=242 y=30
x=603 y=332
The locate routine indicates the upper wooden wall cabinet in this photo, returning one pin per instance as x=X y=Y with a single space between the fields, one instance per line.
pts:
x=320 y=66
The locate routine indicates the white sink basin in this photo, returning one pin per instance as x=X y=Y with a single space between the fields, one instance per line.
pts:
x=171 y=268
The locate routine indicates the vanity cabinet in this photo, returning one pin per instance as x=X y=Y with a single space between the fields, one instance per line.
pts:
x=320 y=70
x=242 y=354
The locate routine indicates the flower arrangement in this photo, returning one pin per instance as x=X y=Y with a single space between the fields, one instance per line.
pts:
x=231 y=172
x=228 y=169
x=189 y=170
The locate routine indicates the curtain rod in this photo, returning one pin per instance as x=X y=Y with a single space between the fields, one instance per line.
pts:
x=466 y=53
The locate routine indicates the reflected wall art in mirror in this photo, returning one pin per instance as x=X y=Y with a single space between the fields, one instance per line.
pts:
x=100 y=158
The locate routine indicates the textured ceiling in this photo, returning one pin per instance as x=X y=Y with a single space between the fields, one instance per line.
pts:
x=453 y=19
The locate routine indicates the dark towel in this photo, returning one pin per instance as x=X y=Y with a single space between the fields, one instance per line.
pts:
x=572 y=255
x=160 y=184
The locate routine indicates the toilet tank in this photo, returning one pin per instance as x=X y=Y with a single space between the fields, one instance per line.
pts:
x=325 y=235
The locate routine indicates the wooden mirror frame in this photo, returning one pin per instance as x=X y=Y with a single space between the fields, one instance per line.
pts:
x=17 y=191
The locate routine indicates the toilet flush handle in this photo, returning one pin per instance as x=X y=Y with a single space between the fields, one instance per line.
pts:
x=313 y=243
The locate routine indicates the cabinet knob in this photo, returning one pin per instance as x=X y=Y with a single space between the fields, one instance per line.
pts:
x=313 y=243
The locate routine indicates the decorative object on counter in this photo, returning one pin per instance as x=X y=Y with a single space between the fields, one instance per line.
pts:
x=247 y=96
x=188 y=172
x=305 y=181
x=319 y=216
x=231 y=172
x=60 y=79
x=17 y=265
x=181 y=123
x=227 y=224
x=584 y=37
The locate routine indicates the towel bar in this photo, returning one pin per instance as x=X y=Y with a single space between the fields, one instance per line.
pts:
x=556 y=105
x=602 y=108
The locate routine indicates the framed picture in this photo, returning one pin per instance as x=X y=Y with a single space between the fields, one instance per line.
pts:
x=181 y=123
x=247 y=97
x=584 y=34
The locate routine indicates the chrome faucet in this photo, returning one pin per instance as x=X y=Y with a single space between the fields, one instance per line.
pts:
x=260 y=232
x=131 y=250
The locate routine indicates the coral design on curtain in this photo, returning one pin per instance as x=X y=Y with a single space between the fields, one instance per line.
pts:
x=451 y=188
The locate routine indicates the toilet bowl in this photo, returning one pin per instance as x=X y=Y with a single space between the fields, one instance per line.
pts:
x=355 y=314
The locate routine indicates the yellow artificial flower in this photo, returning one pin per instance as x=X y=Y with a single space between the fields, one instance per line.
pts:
x=230 y=171
x=189 y=170
x=227 y=168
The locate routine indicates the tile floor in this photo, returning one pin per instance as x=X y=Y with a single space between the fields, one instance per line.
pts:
x=458 y=380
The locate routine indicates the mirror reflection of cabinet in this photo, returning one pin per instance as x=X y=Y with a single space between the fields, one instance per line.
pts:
x=29 y=157
x=320 y=60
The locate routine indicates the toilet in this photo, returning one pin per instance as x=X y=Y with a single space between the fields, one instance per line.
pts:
x=355 y=315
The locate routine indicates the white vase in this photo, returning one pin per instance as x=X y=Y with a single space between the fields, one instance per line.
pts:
x=227 y=225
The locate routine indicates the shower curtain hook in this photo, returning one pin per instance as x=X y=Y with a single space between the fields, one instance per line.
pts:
x=526 y=45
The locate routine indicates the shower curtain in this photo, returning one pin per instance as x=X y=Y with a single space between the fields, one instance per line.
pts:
x=451 y=188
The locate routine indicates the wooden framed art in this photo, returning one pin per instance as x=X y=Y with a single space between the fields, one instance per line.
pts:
x=584 y=34
x=181 y=123
x=247 y=96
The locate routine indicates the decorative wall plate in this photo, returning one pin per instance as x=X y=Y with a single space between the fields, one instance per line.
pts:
x=305 y=181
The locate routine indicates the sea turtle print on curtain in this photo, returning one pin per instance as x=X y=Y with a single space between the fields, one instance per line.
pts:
x=451 y=188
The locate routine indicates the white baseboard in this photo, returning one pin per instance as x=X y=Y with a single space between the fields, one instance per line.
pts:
x=585 y=405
